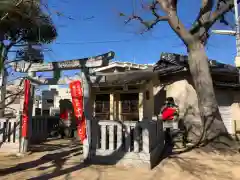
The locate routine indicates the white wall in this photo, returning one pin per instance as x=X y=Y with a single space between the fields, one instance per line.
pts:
x=55 y=93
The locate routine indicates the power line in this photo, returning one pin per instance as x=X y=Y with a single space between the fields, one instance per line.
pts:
x=111 y=41
x=95 y=42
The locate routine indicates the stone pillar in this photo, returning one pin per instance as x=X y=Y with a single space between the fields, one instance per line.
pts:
x=88 y=115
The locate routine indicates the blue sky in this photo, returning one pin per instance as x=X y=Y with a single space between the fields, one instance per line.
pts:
x=106 y=31
x=83 y=37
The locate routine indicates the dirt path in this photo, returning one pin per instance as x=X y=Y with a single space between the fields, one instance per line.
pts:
x=66 y=165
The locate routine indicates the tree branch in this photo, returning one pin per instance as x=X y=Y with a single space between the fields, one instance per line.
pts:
x=224 y=7
x=203 y=15
x=199 y=30
x=149 y=24
x=170 y=8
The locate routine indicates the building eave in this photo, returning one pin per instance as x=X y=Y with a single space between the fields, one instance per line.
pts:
x=123 y=65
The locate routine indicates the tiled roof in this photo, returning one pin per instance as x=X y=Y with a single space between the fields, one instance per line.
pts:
x=170 y=59
x=173 y=63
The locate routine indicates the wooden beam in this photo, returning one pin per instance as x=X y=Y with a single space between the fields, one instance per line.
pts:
x=91 y=62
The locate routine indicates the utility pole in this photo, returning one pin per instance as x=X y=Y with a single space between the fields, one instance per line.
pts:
x=237 y=59
x=235 y=33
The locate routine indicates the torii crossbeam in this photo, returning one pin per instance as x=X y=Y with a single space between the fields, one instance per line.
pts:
x=91 y=62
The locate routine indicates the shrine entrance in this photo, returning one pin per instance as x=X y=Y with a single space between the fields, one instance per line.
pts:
x=126 y=131
x=36 y=122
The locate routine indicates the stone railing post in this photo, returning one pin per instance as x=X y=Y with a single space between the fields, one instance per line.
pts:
x=145 y=136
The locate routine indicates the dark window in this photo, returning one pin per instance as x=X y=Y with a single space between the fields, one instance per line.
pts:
x=102 y=106
x=45 y=112
x=38 y=111
x=50 y=101
x=129 y=103
x=147 y=95
x=102 y=103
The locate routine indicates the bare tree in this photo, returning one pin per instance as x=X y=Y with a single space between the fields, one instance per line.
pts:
x=195 y=40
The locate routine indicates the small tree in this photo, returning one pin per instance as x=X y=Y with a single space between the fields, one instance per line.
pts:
x=195 y=40
x=22 y=22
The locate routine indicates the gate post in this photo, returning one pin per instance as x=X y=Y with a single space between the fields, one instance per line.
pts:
x=25 y=139
x=87 y=113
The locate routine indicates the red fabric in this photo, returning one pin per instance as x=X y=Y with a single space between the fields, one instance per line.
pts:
x=77 y=101
x=64 y=115
x=25 y=115
x=168 y=113
x=82 y=129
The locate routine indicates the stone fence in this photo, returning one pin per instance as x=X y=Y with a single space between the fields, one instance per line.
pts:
x=128 y=142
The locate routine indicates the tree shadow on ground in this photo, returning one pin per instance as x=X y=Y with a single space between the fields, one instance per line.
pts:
x=46 y=147
x=58 y=159
x=197 y=166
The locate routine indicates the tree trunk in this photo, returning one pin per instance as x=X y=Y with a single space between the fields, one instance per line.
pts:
x=2 y=79
x=214 y=130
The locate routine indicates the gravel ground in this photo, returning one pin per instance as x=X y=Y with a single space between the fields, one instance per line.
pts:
x=61 y=159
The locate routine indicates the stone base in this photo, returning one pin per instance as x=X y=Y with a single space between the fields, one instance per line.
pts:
x=128 y=159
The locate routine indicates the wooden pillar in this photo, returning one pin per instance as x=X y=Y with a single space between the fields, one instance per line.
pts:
x=111 y=106
x=116 y=106
x=140 y=105
x=93 y=102
x=148 y=99
x=120 y=109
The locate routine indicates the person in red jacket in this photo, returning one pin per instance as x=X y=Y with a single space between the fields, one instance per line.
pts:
x=66 y=118
x=169 y=112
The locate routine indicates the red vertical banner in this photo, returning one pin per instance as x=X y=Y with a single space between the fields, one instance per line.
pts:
x=25 y=114
x=77 y=101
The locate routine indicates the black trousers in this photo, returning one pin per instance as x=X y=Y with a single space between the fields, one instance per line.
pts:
x=184 y=132
x=168 y=136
